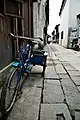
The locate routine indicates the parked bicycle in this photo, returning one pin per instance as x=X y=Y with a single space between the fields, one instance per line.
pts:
x=26 y=59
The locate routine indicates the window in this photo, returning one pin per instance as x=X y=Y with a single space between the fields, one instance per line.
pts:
x=62 y=35
x=13 y=7
x=1 y=6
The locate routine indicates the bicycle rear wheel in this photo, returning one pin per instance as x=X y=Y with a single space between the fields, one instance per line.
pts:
x=9 y=92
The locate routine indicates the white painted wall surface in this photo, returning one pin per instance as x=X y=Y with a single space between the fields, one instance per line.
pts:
x=64 y=22
x=74 y=10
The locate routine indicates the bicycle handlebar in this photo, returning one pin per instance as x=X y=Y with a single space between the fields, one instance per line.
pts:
x=26 y=38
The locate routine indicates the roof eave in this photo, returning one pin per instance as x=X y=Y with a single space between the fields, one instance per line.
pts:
x=62 y=6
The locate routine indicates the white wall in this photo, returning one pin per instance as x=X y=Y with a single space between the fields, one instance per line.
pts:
x=74 y=10
x=68 y=18
x=64 y=21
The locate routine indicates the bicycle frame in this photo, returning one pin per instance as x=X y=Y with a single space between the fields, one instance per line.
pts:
x=22 y=62
x=12 y=87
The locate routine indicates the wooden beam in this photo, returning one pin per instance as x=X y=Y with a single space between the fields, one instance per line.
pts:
x=1 y=15
x=12 y=15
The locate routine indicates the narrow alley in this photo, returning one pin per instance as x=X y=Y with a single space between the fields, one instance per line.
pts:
x=29 y=30
x=57 y=96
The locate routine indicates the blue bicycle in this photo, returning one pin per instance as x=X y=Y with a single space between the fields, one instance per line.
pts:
x=26 y=58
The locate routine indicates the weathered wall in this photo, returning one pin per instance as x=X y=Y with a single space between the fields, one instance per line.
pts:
x=6 y=53
x=28 y=18
x=74 y=10
x=35 y=19
x=39 y=18
x=69 y=20
x=9 y=23
x=64 y=22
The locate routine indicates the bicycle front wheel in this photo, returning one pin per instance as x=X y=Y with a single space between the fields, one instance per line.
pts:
x=9 y=92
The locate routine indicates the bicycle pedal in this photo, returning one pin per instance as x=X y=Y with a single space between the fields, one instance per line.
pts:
x=25 y=74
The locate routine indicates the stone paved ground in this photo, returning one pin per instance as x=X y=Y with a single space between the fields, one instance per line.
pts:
x=27 y=107
x=57 y=95
x=70 y=81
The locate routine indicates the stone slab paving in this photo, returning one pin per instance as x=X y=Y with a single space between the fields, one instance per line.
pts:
x=71 y=93
x=76 y=79
x=77 y=115
x=69 y=67
x=64 y=76
x=50 y=72
x=52 y=92
x=27 y=107
x=74 y=73
x=53 y=48
x=67 y=82
x=50 y=112
x=34 y=80
x=71 y=63
x=78 y=87
x=56 y=61
x=60 y=58
x=50 y=62
x=37 y=69
x=53 y=56
x=60 y=69
x=24 y=112
x=31 y=95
